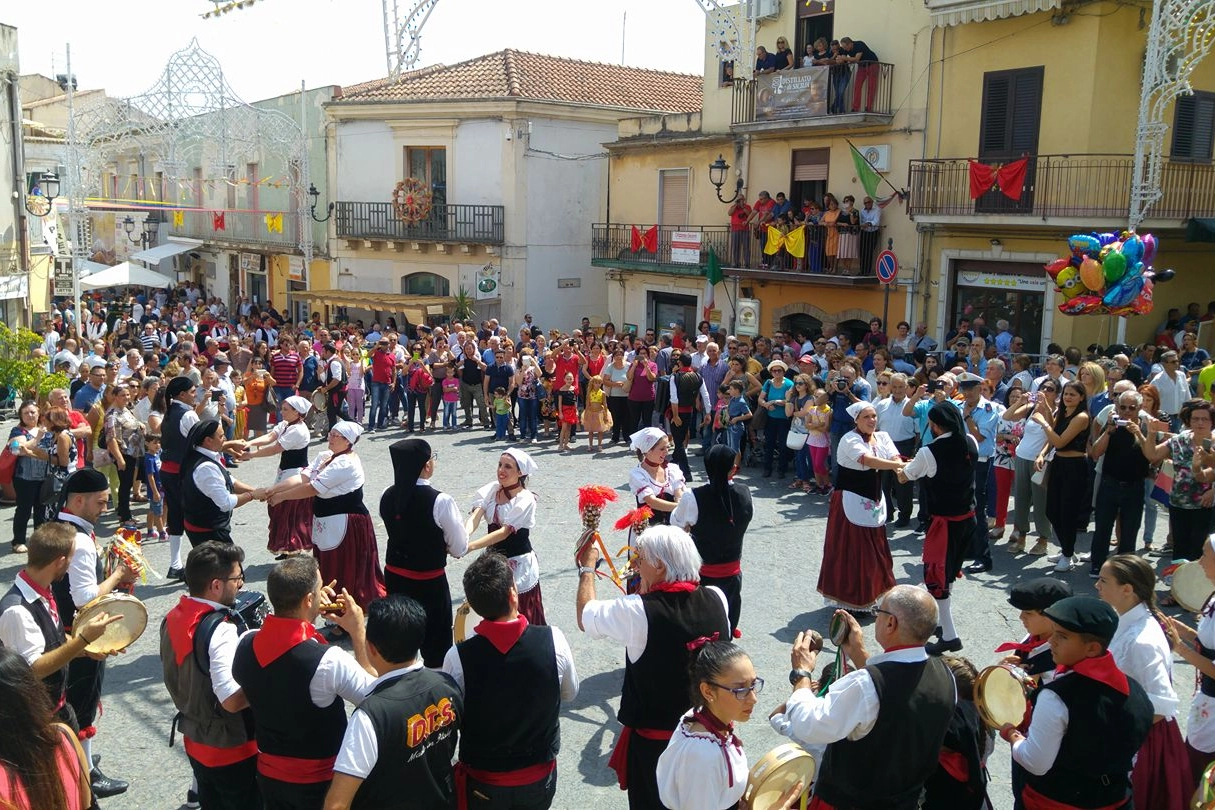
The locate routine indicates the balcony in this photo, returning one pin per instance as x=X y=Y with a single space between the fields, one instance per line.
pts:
x=239 y=227
x=458 y=224
x=809 y=98
x=1091 y=189
x=685 y=252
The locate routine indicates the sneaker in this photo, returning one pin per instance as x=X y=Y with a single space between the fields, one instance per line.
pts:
x=1064 y=565
x=105 y=786
x=1054 y=557
x=1093 y=573
x=1039 y=548
x=192 y=799
x=1017 y=546
x=1082 y=557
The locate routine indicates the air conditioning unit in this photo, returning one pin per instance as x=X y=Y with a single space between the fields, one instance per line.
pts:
x=762 y=9
x=878 y=156
x=748 y=317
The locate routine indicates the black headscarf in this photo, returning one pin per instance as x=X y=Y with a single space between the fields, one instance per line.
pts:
x=409 y=456
x=949 y=416
x=194 y=438
x=719 y=463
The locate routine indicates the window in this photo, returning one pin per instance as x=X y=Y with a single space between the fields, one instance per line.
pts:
x=1193 y=128
x=815 y=18
x=429 y=163
x=1012 y=108
x=809 y=176
x=425 y=284
x=673 y=198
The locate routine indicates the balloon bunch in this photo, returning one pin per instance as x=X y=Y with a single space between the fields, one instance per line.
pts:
x=1107 y=274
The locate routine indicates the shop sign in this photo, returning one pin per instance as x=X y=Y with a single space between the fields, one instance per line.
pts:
x=295 y=268
x=1000 y=281
x=685 y=247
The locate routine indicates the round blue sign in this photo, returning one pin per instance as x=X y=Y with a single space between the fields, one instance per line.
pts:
x=887 y=266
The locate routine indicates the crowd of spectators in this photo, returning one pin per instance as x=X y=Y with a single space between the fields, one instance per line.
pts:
x=834 y=237
x=851 y=62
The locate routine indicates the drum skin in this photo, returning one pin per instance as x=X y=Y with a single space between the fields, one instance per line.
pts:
x=1001 y=695
x=121 y=634
x=1191 y=588
x=466 y=620
x=777 y=771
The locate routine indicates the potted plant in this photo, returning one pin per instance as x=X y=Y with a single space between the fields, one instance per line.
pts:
x=463 y=309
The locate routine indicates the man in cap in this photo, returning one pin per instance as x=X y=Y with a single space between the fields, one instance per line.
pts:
x=981 y=417
x=1033 y=653
x=893 y=708
x=183 y=413
x=946 y=467
x=1088 y=723
x=84 y=499
x=209 y=494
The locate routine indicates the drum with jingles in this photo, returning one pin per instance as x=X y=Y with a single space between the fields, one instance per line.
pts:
x=776 y=772
x=1002 y=695
x=466 y=620
x=1191 y=588
x=120 y=634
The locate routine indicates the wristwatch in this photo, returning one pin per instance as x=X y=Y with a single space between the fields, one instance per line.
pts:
x=796 y=675
x=585 y=569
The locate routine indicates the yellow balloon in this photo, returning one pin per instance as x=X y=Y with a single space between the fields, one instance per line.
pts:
x=1091 y=274
x=1069 y=284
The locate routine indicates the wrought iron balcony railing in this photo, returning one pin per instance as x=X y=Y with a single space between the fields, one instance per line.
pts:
x=470 y=224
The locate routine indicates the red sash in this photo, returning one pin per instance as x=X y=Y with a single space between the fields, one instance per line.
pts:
x=721 y=570
x=416 y=575
x=619 y=761
x=1036 y=801
x=516 y=778
x=294 y=770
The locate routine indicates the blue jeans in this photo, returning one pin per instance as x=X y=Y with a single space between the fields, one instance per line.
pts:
x=399 y=398
x=449 y=414
x=803 y=470
x=501 y=424
x=377 y=409
x=529 y=418
x=281 y=392
x=775 y=432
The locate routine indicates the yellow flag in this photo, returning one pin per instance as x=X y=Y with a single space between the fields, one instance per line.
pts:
x=179 y=219
x=795 y=242
x=274 y=223
x=775 y=240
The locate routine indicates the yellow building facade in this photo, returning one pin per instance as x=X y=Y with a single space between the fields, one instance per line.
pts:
x=1058 y=85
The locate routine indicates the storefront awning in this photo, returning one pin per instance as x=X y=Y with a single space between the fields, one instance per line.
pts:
x=156 y=254
x=17 y=286
x=1200 y=230
x=415 y=308
x=958 y=12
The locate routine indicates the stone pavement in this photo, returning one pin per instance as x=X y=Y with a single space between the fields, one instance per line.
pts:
x=782 y=553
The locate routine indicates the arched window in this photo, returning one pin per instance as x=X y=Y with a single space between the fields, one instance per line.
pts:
x=425 y=284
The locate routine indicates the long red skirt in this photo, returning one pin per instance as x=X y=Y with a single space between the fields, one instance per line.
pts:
x=857 y=567
x=531 y=605
x=355 y=564
x=290 y=526
x=1160 y=779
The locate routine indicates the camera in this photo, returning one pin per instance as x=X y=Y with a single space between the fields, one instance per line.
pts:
x=1122 y=422
x=217 y=396
x=932 y=386
x=841 y=384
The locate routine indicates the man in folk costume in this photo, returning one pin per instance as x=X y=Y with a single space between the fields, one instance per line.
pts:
x=209 y=494
x=882 y=723
x=687 y=386
x=655 y=626
x=508 y=751
x=182 y=413
x=424 y=527
x=85 y=498
x=198 y=641
x=295 y=683
x=946 y=467
x=399 y=745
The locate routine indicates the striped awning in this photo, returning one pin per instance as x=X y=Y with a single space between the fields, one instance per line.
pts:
x=959 y=12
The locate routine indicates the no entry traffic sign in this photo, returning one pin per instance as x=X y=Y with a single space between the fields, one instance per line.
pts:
x=887 y=266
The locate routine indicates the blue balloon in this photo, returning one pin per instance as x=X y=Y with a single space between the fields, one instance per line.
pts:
x=1124 y=292
x=1135 y=269
x=1132 y=248
x=1084 y=243
x=1105 y=238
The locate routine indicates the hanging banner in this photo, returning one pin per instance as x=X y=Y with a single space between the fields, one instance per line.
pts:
x=791 y=94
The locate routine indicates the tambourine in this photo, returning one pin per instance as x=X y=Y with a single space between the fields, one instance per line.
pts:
x=837 y=631
x=1191 y=588
x=466 y=620
x=120 y=634
x=1002 y=695
x=777 y=771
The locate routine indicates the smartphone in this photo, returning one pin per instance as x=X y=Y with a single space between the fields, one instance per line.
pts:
x=1206 y=445
x=933 y=385
x=217 y=396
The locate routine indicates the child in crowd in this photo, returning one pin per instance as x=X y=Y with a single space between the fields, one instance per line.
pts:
x=818 y=442
x=354 y=381
x=737 y=414
x=960 y=780
x=720 y=419
x=596 y=417
x=501 y=413
x=156 y=491
x=451 y=395
x=567 y=398
x=549 y=413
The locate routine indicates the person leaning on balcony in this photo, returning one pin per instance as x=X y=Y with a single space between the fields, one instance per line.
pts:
x=764 y=61
x=740 y=244
x=784 y=56
x=761 y=215
x=867 y=71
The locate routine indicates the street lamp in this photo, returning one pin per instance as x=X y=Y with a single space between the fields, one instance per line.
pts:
x=315 y=195
x=40 y=204
x=151 y=226
x=717 y=176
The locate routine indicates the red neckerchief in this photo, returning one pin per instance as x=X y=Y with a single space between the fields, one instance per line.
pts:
x=645 y=462
x=1030 y=644
x=674 y=587
x=45 y=593
x=723 y=734
x=502 y=635
x=181 y=622
x=1101 y=669
x=279 y=635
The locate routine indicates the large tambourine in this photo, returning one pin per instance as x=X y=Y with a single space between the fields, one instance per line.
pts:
x=1002 y=695
x=776 y=772
x=466 y=620
x=1191 y=588
x=120 y=634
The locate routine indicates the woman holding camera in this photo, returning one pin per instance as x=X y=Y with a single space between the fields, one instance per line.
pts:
x=1192 y=497
x=1029 y=487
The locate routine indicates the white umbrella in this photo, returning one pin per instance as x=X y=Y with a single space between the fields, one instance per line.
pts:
x=125 y=275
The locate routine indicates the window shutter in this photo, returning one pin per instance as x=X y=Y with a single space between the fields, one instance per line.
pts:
x=810 y=164
x=993 y=127
x=673 y=198
x=1026 y=109
x=1193 y=127
x=1011 y=116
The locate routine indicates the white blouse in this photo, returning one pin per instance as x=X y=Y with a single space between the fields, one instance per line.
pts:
x=1200 y=731
x=518 y=513
x=694 y=774
x=860 y=510
x=643 y=485
x=341 y=477
x=1141 y=650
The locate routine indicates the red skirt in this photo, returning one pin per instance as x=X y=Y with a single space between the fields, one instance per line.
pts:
x=290 y=526
x=857 y=567
x=569 y=414
x=1160 y=779
x=355 y=564
x=531 y=605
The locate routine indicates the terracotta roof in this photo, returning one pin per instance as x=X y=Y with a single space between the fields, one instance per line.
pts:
x=537 y=77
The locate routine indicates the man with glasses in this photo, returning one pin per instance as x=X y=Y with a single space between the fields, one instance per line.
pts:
x=860 y=725
x=1174 y=388
x=90 y=392
x=198 y=640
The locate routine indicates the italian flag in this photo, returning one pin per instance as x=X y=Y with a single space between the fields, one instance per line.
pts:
x=712 y=278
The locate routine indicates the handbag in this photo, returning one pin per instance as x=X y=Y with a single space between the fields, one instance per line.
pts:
x=271 y=398
x=8 y=465
x=52 y=485
x=795 y=440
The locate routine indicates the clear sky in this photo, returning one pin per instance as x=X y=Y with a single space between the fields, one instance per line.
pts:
x=266 y=49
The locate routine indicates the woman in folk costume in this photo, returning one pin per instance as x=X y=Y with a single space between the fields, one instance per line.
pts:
x=343 y=537
x=424 y=527
x=857 y=568
x=653 y=482
x=290 y=522
x=509 y=509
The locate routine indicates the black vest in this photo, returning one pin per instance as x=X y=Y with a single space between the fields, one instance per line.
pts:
x=501 y=732
x=415 y=541
x=655 y=692
x=62 y=587
x=293 y=459
x=952 y=490
x=1104 y=731
x=349 y=504
x=915 y=705
x=1037 y=663
x=53 y=637
x=197 y=507
x=717 y=538
x=172 y=443
x=687 y=388
x=416 y=719
x=866 y=483
x=287 y=722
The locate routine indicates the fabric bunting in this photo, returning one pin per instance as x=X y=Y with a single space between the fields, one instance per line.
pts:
x=217 y=221
x=1010 y=178
x=794 y=242
x=274 y=223
x=179 y=219
x=647 y=240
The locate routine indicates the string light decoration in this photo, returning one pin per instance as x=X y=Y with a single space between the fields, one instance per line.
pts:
x=411 y=200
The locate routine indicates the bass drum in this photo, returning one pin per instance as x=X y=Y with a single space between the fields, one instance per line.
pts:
x=466 y=620
x=120 y=634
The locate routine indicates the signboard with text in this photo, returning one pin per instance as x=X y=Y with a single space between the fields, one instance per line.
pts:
x=791 y=94
x=1002 y=281
x=685 y=247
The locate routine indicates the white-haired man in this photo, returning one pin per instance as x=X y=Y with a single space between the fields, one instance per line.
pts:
x=655 y=626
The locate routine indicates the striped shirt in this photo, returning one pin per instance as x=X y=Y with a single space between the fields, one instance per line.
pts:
x=150 y=341
x=285 y=367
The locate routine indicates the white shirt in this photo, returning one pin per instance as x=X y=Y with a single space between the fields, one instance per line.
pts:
x=1037 y=751
x=643 y=484
x=360 y=749
x=1200 y=730
x=71 y=359
x=849 y=710
x=924 y=465
x=852 y=448
x=210 y=482
x=18 y=630
x=446 y=515
x=686 y=513
x=188 y=420
x=338 y=675
x=694 y=775
x=340 y=477
x=623 y=620
x=704 y=392
x=891 y=420
x=220 y=652
x=1141 y=650
x=518 y=513
x=1174 y=391
x=82 y=570
x=567 y=675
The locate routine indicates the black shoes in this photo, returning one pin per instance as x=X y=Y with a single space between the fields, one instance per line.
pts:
x=902 y=523
x=941 y=646
x=178 y=574
x=104 y=786
x=978 y=567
